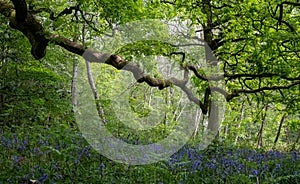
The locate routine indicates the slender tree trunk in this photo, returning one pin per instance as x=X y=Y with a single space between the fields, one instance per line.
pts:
x=74 y=80
x=279 y=129
x=167 y=101
x=239 y=120
x=150 y=97
x=92 y=84
x=297 y=140
x=225 y=130
x=75 y=66
x=95 y=92
x=2 y=82
x=197 y=121
x=287 y=135
x=260 y=133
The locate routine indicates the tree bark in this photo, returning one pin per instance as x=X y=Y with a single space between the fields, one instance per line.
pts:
x=297 y=140
x=260 y=133
x=75 y=72
x=279 y=129
x=213 y=117
x=95 y=92
x=197 y=122
x=74 y=81
x=239 y=120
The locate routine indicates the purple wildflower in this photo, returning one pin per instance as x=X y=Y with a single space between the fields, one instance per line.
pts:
x=43 y=178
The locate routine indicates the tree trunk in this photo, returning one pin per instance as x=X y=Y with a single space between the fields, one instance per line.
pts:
x=279 y=129
x=74 y=80
x=95 y=92
x=92 y=84
x=213 y=118
x=75 y=68
x=297 y=140
x=197 y=121
x=260 y=133
x=240 y=119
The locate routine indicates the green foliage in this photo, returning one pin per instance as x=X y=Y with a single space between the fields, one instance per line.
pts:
x=147 y=48
x=252 y=37
x=30 y=92
x=136 y=112
x=33 y=94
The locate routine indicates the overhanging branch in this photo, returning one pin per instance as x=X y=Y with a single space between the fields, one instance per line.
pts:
x=117 y=62
x=235 y=93
x=25 y=22
x=21 y=10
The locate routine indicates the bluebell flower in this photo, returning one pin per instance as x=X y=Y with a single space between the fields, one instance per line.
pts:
x=240 y=167
x=43 y=178
x=21 y=148
x=250 y=157
x=278 y=155
x=76 y=161
x=265 y=168
x=181 y=152
x=41 y=142
x=37 y=150
x=259 y=157
x=59 y=176
x=102 y=166
x=254 y=172
x=295 y=173
x=37 y=167
x=55 y=166
x=13 y=140
x=25 y=142
x=196 y=165
x=16 y=158
x=211 y=164
x=295 y=156
x=191 y=154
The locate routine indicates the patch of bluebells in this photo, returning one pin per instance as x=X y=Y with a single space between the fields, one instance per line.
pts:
x=65 y=157
x=41 y=158
x=224 y=163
